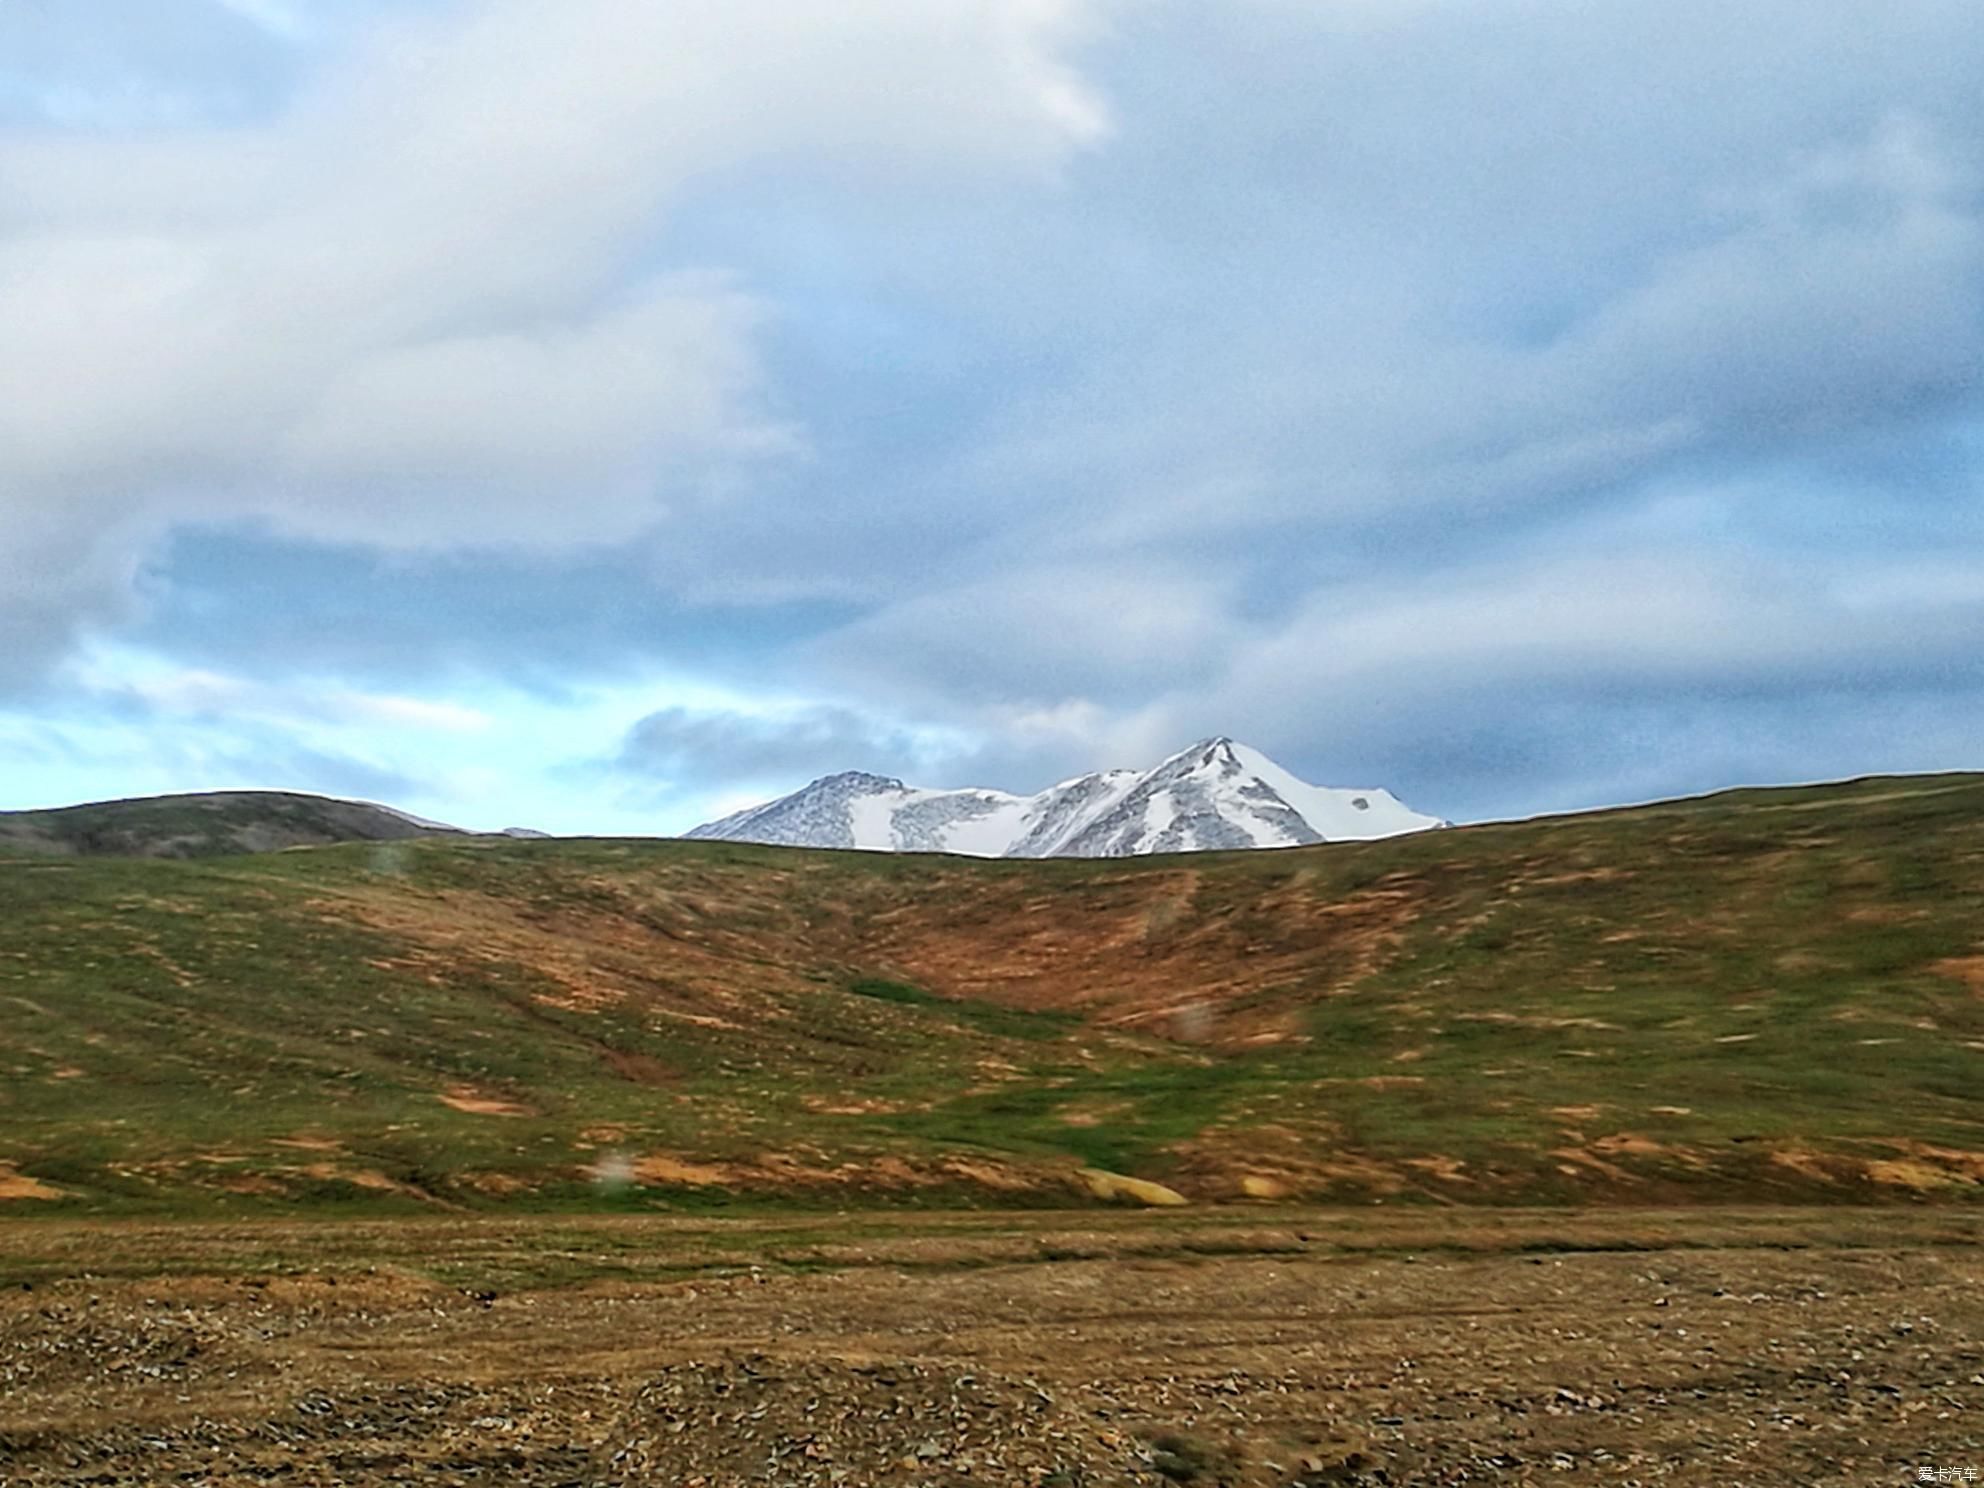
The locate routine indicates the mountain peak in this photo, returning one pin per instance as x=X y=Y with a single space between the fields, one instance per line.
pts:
x=858 y=780
x=1217 y=753
x=1217 y=794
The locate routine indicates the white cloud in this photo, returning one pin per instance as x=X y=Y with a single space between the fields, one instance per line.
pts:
x=1043 y=632
x=1509 y=656
x=170 y=692
x=426 y=306
x=1842 y=295
x=453 y=718
x=479 y=755
x=1319 y=411
x=277 y=17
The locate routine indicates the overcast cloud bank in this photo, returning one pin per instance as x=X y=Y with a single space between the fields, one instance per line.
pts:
x=1525 y=407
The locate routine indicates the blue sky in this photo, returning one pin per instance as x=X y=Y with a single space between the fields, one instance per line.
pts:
x=599 y=416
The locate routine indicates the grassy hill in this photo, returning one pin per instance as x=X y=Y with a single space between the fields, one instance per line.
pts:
x=214 y=824
x=1761 y=995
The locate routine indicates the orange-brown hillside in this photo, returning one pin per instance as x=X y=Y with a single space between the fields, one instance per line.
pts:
x=1760 y=994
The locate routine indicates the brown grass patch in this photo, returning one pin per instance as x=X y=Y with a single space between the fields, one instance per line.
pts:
x=1576 y=876
x=1923 y=1167
x=1296 y=1163
x=477 y=1103
x=642 y=1069
x=1534 y=1020
x=990 y=1175
x=1966 y=969
x=1816 y=1166
x=1632 y=1143
x=577 y=995
x=498 y=1185
x=1910 y=1173
x=255 y=1185
x=1114 y=1187
x=1438 y=1165
x=663 y=1167
x=826 y=1105
x=1579 y=1161
x=173 y=969
x=369 y=1179
x=1095 y=952
x=1359 y=1172
x=595 y=957
x=780 y=1169
x=18 y=1185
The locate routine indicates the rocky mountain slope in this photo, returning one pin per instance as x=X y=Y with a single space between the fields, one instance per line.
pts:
x=1216 y=794
x=208 y=825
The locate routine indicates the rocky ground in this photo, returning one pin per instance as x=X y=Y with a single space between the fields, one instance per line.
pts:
x=1272 y=1357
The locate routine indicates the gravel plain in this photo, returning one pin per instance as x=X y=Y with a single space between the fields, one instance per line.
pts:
x=1308 y=1350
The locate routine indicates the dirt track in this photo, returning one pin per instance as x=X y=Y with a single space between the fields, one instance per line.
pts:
x=999 y=1352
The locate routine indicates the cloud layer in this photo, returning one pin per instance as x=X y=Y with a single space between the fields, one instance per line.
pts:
x=1519 y=406
x=429 y=304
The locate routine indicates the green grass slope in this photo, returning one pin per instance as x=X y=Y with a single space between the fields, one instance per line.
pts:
x=1762 y=995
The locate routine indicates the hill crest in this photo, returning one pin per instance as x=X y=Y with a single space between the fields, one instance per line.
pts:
x=206 y=824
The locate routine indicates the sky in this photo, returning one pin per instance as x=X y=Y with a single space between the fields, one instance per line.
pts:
x=600 y=416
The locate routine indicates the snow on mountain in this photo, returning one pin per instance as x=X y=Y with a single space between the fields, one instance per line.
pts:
x=408 y=816
x=435 y=826
x=1217 y=794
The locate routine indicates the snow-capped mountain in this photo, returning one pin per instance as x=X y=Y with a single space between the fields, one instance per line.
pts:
x=1217 y=794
